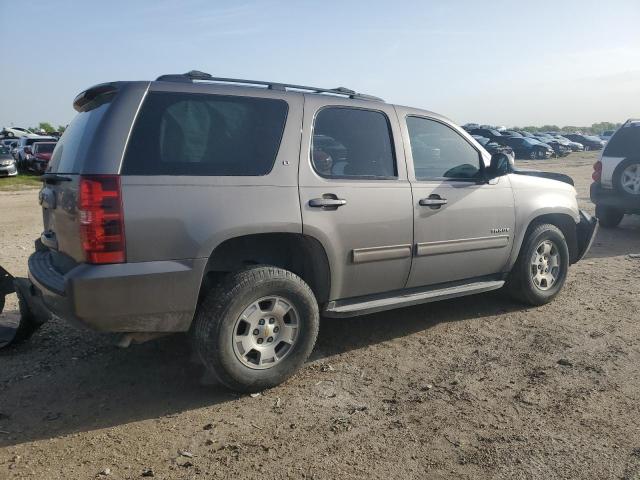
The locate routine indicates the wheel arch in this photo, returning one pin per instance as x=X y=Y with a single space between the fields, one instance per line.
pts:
x=563 y=220
x=301 y=254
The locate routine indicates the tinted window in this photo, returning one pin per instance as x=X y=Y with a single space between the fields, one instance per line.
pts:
x=44 y=147
x=625 y=143
x=440 y=152
x=72 y=147
x=196 y=134
x=350 y=142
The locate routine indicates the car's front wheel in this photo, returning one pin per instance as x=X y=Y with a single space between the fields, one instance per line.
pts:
x=256 y=328
x=609 y=217
x=542 y=265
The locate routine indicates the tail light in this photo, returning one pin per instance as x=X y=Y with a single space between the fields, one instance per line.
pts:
x=597 y=171
x=101 y=219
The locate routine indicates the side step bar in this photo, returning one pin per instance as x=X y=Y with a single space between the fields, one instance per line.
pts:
x=377 y=303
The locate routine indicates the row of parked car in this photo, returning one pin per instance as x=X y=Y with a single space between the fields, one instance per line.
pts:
x=523 y=144
x=24 y=151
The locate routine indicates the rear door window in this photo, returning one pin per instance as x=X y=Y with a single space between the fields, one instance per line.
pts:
x=205 y=135
x=353 y=143
x=625 y=143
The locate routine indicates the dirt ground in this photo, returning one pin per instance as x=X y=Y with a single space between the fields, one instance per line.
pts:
x=479 y=387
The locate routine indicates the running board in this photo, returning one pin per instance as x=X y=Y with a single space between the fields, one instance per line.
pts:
x=373 y=304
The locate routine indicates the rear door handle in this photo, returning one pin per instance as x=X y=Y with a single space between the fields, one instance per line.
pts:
x=433 y=201
x=328 y=201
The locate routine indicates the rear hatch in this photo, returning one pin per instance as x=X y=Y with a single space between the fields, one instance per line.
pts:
x=91 y=147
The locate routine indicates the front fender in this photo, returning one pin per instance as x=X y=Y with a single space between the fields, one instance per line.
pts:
x=536 y=197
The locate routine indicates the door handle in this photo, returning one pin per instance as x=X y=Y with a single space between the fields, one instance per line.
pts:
x=328 y=201
x=434 y=201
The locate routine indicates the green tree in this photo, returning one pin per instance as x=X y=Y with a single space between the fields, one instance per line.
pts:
x=46 y=126
x=61 y=128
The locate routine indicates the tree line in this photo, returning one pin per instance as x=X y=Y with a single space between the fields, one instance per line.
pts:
x=594 y=129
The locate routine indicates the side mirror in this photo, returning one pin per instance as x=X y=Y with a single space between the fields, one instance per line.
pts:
x=501 y=164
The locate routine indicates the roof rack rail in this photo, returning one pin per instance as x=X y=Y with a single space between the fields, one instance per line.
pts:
x=195 y=75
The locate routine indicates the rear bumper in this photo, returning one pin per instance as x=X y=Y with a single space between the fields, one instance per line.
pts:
x=610 y=198
x=156 y=296
x=585 y=232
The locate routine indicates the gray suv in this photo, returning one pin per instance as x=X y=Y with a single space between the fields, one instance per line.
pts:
x=241 y=211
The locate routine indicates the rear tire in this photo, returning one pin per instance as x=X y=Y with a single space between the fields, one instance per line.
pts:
x=626 y=179
x=242 y=335
x=542 y=265
x=609 y=217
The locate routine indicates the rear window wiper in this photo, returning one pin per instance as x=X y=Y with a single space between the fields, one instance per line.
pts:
x=54 y=178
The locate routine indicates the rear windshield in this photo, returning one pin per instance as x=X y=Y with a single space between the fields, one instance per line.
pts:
x=31 y=141
x=72 y=147
x=625 y=143
x=200 y=134
x=44 y=147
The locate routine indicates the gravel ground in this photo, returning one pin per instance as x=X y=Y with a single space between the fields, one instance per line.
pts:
x=478 y=387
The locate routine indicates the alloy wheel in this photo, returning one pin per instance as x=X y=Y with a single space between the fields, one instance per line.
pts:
x=545 y=265
x=265 y=332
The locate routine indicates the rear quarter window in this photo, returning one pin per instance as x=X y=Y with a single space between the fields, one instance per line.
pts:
x=205 y=135
x=71 y=149
x=625 y=143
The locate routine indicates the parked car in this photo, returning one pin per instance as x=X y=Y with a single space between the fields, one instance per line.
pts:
x=526 y=134
x=527 y=147
x=489 y=133
x=590 y=142
x=40 y=155
x=510 y=133
x=574 y=146
x=493 y=147
x=14 y=132
x=171 y=225
x=9 y=143
x=559 y=149
x=24 y=148
x=7 y=163
x=616 y=176
x=606 y=135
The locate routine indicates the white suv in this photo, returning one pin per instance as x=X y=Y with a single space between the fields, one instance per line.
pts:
x=616 y=176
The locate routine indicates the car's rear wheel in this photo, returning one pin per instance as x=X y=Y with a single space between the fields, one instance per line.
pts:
x=542 y=265
x=587 y=148
x=626 y=178
x=256 y=328
x=609 y=217
x=533 y=155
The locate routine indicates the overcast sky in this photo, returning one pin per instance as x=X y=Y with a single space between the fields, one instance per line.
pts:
x=565 y=62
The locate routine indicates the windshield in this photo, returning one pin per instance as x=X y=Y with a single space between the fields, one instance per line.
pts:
x=44 y=147
x=532 y=141
x=31 y=141
x=591 y=137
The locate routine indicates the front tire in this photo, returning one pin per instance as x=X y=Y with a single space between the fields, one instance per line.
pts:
x=542 y=266
x=256 y=328
x=609 y=217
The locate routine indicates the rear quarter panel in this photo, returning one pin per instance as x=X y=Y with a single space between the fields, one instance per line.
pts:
x=183 y=217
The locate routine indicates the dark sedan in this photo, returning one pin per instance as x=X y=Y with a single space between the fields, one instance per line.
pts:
x=527 y=147
x=489 y=133
x=589 y=142
x=493 y=147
